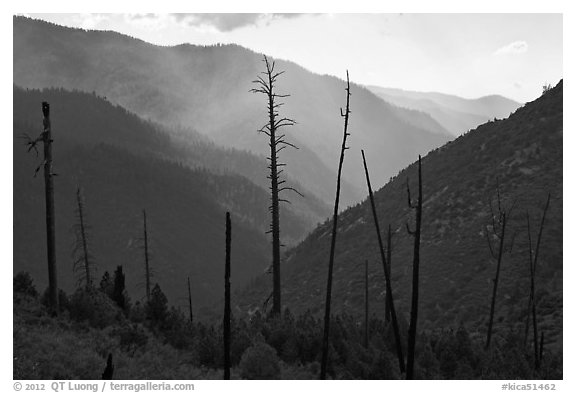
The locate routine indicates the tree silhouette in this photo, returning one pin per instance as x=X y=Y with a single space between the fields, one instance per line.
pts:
x=277 y=142
x=325 y=343
x=227 y=311
x=387 y=277
x=499 y=232
x=531 y=299
x=119 y=290
x=83 y=260
x=415 y=271
x=46 y=138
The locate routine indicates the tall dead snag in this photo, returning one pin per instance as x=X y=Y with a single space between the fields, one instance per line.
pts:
x=83 y=261
x=325 y=342
x=366 y=306
x=415 y=271
x=541 y=347
x=499 y=233
x=266 y=85
x=531 y=299
x=387 y=277
x=109 y=370
x=190 y=302
x=389 y=255
x=146 y=257
x=226 y=321
x=46 y=138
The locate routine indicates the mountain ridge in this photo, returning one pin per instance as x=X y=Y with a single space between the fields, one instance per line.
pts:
x=456 y=114
x=207 y=88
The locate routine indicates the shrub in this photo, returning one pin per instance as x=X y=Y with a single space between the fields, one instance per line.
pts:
x=23 y=284
x=88 y=304
x=260 y=362
x=63 y=301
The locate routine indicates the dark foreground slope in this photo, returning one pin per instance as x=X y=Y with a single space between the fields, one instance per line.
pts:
x=525 y=153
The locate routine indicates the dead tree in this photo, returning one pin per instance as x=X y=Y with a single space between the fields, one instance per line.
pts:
x=366 y=306
x=389 y=255
x=109 y=370
x=83 y=260
x=226 y=321
x=326 y=339
x=46 y=138
x=541 y=347
x=415 y=271
x=190 y=302
x=277 y=142
x=531 y=299
x=387 y=277
x=146 y=257
x=499 y=232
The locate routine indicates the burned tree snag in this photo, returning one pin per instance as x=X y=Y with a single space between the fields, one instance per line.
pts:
x=532 y=299
x=389 y=255
x=415 y=272
x=386 y=272
x=499 y=232
x=531 y=303
x=227 y=309
x=146 y=257
x=366 y=306
x=277 y=142
x=46 y=138
x=326 y=339
x=83 y=263
x=109 y=370
x=190 y=302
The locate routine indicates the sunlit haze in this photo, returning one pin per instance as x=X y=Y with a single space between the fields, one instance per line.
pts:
x=469 y=55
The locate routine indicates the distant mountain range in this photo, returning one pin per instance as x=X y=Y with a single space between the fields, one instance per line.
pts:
x=456 y=114
x=524 y=154
x=207 y=89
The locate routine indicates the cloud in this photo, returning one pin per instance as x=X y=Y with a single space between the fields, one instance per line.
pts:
x=146 y=21
x=229 y=22
x=90 y=21
x=513 y=48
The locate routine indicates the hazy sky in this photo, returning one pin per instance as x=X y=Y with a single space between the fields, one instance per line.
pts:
x=464 y=54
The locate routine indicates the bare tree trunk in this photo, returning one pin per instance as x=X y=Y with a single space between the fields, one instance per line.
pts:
x=109 y=370
x=532 y=308
x=541 y=347
x=190 y=302
x=386 y=272
x=146 y=257
x=50 y=214
x=226 y=321
x=495 y=287
x=499 y=231
x=532 y=298
x=366 y=306
x=389 y=255
x=86 y=256
x=277 y=142
x=415 y=274
x=325 y=342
